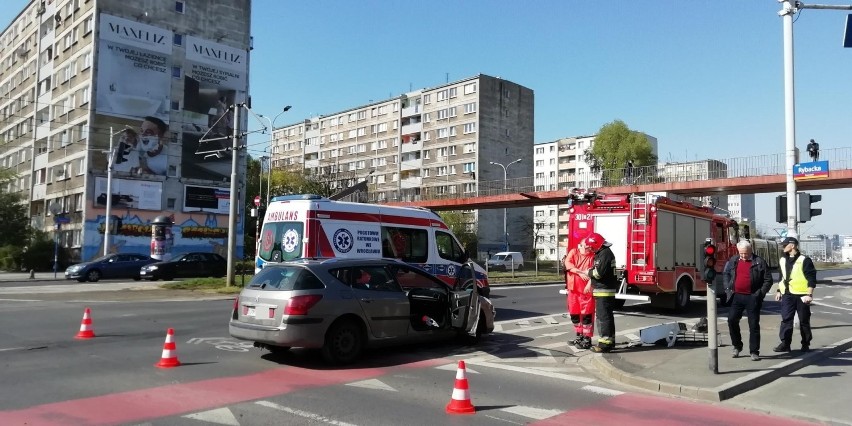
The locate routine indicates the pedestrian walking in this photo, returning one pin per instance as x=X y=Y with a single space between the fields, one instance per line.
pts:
x=581 y=304
x=796 y=292
x=747 y=280
x=604 y=285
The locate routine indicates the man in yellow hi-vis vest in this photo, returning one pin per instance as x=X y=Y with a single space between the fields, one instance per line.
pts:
x=796 y=292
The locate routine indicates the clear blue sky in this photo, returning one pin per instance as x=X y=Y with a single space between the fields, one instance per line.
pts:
x=704 y=77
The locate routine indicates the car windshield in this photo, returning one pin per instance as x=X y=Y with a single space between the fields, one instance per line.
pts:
x=285 y=278
x=103 y=258
x=179 y=258
x=500 y=257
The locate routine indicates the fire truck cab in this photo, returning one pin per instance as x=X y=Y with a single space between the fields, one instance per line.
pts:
x=657 y=242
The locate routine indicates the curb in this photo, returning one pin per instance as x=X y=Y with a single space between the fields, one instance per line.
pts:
x=725 y=391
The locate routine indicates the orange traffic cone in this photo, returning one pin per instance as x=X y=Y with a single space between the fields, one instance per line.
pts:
x=86 y=331
x=460 y=402
x=169 y=358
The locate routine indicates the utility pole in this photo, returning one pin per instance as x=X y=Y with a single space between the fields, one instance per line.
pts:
x=232 y=216
x=110 y=164
x=788 y=9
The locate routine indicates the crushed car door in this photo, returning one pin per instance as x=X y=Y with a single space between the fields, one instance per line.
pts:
x=464 y=303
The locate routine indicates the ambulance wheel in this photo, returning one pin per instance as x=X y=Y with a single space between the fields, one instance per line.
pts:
x=682 y=297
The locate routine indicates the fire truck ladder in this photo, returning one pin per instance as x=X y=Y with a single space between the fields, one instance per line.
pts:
x=637 y=244
x=638 y=230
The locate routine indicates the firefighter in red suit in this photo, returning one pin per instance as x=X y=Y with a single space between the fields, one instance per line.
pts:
x=581 y=304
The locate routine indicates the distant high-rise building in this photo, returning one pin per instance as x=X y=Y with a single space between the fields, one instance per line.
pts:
x=437 y=142
x=152 y=77
x=741 y=208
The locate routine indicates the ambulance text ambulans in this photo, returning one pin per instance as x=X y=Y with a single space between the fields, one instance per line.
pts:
x=311 y=226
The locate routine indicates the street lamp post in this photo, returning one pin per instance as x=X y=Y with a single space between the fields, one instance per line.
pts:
x=505 y=179
x=271 y=139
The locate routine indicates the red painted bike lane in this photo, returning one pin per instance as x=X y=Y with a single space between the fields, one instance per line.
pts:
x=164 y=401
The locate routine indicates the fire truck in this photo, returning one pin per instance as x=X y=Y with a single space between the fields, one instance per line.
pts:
x=659 y=243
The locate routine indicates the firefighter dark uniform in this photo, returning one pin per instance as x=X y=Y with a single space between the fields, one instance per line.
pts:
x=604 y=287
x=796 y=288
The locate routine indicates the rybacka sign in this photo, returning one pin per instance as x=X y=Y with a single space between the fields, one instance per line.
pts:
x=809 y=171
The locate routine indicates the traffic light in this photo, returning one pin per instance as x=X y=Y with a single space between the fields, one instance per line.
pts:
x=805 y=210
x=120 y=152
x=781 y=209
x=709 y=272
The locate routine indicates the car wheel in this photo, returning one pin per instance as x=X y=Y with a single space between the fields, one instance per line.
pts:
x=94 y=275
x=344 y=343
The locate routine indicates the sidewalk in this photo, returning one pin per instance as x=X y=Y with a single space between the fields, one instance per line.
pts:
x=24 y=277
x=684 y=369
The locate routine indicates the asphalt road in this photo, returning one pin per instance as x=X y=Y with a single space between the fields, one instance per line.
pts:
x=523 y=374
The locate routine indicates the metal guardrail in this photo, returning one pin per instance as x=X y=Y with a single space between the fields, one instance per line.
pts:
x=761 y=165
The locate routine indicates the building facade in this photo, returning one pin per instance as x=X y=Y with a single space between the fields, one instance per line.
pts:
x=157 y=79
x=818 y=247
x=438 y=141
x=742 y=209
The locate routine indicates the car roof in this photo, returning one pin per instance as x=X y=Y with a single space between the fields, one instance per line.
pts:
x=330 y=263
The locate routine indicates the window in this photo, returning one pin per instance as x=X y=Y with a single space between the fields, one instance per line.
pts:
x=539 y=150
x=469 y=128
x=453 y=92
x=470 y=108
x=88 y=24
x=362 y=115
x=469 y=148
x=539 y=163
x=442 y=114
x=427 y=99
x=406 y=244
x=469 y=167
x=178 y=39
x=469 y=88
x=180 y=7
x=176 y=72
x=442 y=95
x=175 y=105
x=448 y=248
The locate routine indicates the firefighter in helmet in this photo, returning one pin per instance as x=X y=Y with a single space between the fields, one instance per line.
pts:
x=604 y=286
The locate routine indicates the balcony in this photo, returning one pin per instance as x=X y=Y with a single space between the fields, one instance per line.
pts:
x=39 y=191
x=311 y=149
x=413 y=146
x=311 y=164
x=412 y=110
x=413 y=164
x=412 y=182
x=409 y=129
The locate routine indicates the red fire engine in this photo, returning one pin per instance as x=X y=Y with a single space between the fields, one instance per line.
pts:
x=658 y=242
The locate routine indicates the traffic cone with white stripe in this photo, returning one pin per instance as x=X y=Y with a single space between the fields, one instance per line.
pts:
x=169 y=358
x=86 y=331
x=460 y=402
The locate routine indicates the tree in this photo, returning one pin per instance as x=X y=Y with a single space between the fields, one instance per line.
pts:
x=615 y=145
x=14 y=223
x=534 y=228
x=459 y=224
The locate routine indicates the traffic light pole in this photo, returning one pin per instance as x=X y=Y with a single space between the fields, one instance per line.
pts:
x=110 y=163
x=712 y=334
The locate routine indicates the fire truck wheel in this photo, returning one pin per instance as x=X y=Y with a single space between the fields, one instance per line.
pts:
x=683 y=292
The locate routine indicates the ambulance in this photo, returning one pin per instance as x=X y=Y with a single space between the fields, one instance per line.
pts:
x=312 y=226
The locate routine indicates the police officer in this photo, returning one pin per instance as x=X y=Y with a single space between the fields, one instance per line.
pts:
x=796 y=292
x=604 y=287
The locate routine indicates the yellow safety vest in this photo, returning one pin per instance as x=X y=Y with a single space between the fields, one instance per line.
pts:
x=798 y=282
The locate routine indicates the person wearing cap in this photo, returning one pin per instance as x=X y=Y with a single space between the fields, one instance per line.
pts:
x=796 y=292
x=747 y=280
x=604 y=286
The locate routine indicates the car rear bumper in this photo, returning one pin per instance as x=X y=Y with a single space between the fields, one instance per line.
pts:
x=296 y=332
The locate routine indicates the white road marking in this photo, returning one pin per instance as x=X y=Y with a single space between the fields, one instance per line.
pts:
x=220 y=416
x=455 y=367
x=560 y=369
x=19 y=300
x=372 y=384
x=532 y=412
x=632 y=336
x=11 y=349
x=523 y=323
x=533 y=372
x=503 y=420
x=554 y=334
x=834 y=307
x=305 y=414
x=601 y=391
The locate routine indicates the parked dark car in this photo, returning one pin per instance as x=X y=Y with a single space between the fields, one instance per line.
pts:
x=187 y=265
x=109 y=266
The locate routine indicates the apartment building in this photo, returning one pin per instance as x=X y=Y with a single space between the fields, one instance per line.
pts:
x=159 y=76
x=439 y=141
x=561 y=164
x=741 y=207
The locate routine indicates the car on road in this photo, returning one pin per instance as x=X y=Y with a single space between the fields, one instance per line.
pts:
x=342 y=306
x=123 y=265
x=506 y=261
x=187 y=265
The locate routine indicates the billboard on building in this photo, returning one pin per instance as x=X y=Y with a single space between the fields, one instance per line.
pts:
x=130 y=194
x=206 y=199
x=215 y=77
x=134 y=69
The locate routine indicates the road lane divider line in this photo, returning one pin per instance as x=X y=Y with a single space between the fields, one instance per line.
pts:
x=300 y=413
x=523 y=370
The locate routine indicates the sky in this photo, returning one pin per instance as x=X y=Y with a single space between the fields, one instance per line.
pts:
x=704 y=77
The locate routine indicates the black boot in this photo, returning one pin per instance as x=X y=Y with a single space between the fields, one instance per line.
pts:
x=577 y=340
x=585 y=343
